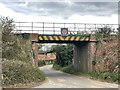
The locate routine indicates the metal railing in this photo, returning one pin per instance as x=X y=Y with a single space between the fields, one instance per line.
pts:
x=55 y=28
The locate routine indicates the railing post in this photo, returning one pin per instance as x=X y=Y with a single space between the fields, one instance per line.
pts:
x=54 y=28
x=95 y=28
x=43 y=27
x=75 y=28
x=19 y=27
x=64 y=25
x=85 y=27
x=32 y=26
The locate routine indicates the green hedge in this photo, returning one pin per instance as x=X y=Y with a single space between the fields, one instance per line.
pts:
x=15 y=72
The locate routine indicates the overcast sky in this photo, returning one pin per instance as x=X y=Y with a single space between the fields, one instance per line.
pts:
x=60 y=11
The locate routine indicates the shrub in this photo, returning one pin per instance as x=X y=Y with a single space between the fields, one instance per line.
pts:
x=15 y=72
x=41 y=63
x=106 y=76
x=66 y=69
x=56 y=67
x=69 y=69
x=95 y=74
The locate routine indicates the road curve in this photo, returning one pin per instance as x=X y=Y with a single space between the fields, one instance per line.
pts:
x=57 y=79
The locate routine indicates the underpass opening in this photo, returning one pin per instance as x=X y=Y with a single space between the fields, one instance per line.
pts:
x=81 y=58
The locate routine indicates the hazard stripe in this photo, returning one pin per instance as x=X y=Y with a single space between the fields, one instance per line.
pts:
x=82 y=39
x=51 y=38
x=72 y=38
x=61 y=38
x=56 y=38
x=40 y=38
x=45 y=38
x=87 y=39
x=64 y=38
x=67 y=38
x=77 y=38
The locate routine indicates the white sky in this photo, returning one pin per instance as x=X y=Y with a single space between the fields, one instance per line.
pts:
x=17 y=16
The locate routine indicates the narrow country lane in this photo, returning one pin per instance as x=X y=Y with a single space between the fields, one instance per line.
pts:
x=57 y=79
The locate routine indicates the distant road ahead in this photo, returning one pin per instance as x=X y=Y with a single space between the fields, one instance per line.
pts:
x=57 y=79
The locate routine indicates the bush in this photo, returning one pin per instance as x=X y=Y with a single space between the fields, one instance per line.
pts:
x=41 y=63
x=69 y=69
x=95 y=74
x=106 y=76
x=56 y=67
x=15 y=72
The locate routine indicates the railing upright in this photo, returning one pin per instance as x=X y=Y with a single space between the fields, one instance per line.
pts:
x=43 y=27
x=32 y=26
x=54 y=28
x=85 y=27
x=19 y=27
x=64 y=25
x=75 y=27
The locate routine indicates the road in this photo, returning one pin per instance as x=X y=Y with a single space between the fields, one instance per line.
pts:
x=57 y=79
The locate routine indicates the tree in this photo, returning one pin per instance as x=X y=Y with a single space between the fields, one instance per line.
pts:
x=64 y=54
x=13 y=45
x=9 y=46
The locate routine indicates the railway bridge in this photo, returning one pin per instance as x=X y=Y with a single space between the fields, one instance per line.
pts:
x=81 y=35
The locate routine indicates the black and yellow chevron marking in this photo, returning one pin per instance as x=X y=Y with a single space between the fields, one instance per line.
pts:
x=62 y=38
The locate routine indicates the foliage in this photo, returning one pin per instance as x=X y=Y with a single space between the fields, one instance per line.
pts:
x=41 y=63
x=94 y=62
x=9 y=46
x=106 y=76
x=13 y=46
x=64 y=54
x=56 y=66
x=69 y=69
x=20 y=72
x=66 y=69
x=103 y=32
x=17 y=56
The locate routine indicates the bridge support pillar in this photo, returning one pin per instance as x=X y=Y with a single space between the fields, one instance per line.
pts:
x=83 y=55
x=35 y=52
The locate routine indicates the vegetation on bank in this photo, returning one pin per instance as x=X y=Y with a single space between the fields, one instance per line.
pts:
x=15 y=72
x=17 y=57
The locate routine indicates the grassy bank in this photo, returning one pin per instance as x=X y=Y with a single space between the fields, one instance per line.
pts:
x=18 y=72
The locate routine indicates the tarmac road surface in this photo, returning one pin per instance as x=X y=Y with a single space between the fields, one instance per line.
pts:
x=57 y=79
